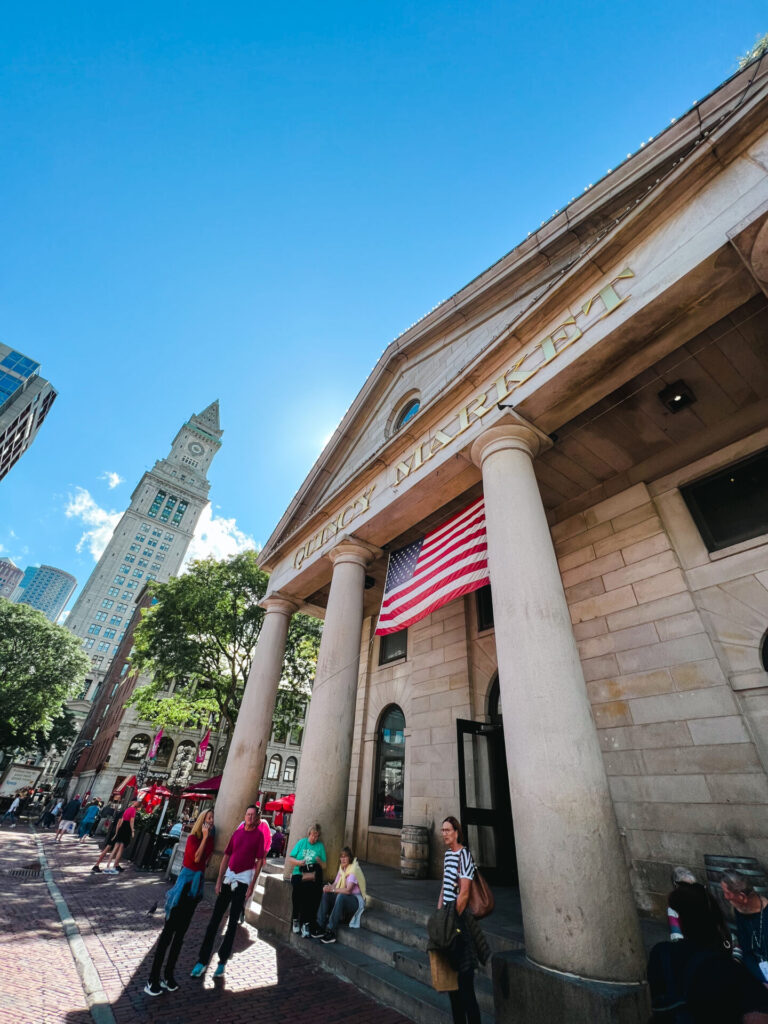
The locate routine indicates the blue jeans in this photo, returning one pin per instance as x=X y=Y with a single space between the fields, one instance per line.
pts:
x=335 y=908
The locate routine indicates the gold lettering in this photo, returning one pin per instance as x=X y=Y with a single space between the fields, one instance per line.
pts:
x=608 y=296
x=342 y=518
x=299 y=557
x=365 y=500
x=468 y=410
x=402 y=469
x=516 y=375
x=441 y=439
x=502 y=388
x=549 y=345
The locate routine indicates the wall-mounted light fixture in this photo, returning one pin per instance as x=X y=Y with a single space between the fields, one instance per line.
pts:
x=677 y=396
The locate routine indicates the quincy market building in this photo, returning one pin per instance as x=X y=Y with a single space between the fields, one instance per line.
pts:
x=601 y=713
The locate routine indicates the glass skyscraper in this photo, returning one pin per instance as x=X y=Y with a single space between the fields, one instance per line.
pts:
x=25 y=399
x=46 y=588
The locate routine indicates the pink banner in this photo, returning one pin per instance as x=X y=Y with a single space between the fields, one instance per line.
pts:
x=203 y=747
x=155 y=745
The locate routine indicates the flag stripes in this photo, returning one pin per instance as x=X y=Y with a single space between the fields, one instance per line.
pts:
x=449 y=562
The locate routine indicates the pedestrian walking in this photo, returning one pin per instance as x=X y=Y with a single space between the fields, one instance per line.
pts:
x=10 y=814
x=68 y=818
x=126 y=829
x=88 y=819
x=180 y=905
x=240 y=866
x=109 y=843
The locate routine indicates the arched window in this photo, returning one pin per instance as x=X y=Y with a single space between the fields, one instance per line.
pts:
x=390 y=769
x=407 y=413
x=164 y=751
x=221 y=757
x=137 y=748
x=289 y=775
x=275 y=763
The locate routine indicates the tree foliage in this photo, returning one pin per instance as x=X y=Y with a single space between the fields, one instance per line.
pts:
x=199 y=639
x=41 y=665
x=759 y=48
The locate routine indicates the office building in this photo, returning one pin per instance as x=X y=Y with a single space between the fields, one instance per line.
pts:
x=10 y=574
x=46 y=588
x=25 y=400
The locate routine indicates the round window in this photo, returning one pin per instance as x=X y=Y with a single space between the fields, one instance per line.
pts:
x=407 y=413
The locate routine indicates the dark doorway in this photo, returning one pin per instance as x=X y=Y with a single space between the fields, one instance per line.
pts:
x=485 y=808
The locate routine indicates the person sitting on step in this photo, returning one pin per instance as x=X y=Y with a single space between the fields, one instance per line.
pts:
x=342 y=901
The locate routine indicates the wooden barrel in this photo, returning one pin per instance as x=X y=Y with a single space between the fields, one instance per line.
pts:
x=414 y=851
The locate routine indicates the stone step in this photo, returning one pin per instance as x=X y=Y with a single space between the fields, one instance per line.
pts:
x=384 y=982
x=410 y=959
x=412 y=931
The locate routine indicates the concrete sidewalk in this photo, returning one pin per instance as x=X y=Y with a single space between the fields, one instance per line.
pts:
x=41 y=981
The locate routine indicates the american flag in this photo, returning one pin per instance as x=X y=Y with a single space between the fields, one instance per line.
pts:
x=449 y=562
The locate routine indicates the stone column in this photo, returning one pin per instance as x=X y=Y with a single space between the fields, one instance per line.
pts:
x=327 y=750
x=578 y=910
x=245 y=760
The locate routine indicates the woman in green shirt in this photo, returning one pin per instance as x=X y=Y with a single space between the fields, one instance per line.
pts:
x=308 y=859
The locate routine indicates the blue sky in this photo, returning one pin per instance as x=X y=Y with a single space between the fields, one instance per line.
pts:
x=249 y=201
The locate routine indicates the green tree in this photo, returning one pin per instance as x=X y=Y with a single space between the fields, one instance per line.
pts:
x=198 y=640
x=41 y=665
x=759 y=48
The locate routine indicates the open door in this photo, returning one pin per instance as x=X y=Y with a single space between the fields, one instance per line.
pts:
x=485 y=809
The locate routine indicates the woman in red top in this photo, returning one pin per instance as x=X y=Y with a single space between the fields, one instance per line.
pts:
x=180 y=904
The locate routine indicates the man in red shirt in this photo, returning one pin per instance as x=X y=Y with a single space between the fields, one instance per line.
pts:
x=240 y=866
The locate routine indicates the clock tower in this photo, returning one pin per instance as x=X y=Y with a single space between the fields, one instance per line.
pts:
x=149 y=543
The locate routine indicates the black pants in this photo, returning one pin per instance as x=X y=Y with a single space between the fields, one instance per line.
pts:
x=305 y=897
x=174 y=930
x=464 y=1002
x=235 y=900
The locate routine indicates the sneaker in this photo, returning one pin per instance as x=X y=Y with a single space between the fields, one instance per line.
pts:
x=220 y=968
x=305 y=931
x=170 y=984
x=197 y=971
x=295 y=926
x=96 y=869
x=111 y=871
x=328 y=937
x=153 y=989
x=315 y=932
x=118 y=868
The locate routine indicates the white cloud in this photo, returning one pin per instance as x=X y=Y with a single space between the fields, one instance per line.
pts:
x=217 y=537
x=113 y=479
x=100 y=522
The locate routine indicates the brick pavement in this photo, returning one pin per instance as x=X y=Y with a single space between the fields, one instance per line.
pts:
x=39 y=983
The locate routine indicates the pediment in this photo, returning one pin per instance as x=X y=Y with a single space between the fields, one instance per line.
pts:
x=449 y=343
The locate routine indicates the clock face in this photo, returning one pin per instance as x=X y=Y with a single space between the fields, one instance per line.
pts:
x=196 y=448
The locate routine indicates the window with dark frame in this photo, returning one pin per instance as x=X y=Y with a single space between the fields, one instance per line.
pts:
x=393 y=646
x=484 y=608
x=731 y=506
x=390 y=769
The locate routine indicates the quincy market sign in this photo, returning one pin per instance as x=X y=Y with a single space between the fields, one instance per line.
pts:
x=541 y=354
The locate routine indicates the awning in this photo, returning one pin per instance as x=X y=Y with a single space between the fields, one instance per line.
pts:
x=207 y=785
x=124 y=785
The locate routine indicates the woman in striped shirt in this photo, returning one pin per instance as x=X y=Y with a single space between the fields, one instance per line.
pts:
x=458 y=872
